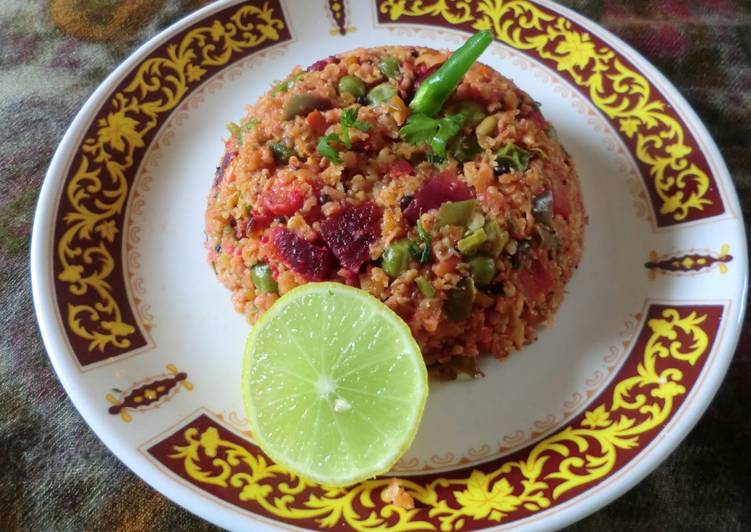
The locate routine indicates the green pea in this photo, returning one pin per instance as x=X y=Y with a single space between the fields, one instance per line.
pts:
x=456 y=213
x=282 y=152
x=482 y=269
x=458 y=304
x=352 y=85
x=469 y=244
x=473 y=112
x=395 y=258
x=262 y=278
x=425 y=287
x=389 y=67
x=513 y=156
x=381 y=93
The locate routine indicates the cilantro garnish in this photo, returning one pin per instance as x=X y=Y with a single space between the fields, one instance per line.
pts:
x=348 y=120
x=421 y=129
x=327 y=150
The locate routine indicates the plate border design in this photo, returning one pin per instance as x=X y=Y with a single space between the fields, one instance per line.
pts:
x=666 y=359
x=89 y=281
x=680 y=184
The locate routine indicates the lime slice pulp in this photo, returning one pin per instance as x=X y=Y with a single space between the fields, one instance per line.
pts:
x=334 y=384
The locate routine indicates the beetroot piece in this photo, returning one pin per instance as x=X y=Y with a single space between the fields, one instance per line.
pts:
x=441 y=188
x=312 y=261
x=535 y=282
x=350 y=232
x=229 y=156
x=321 y=63
x=400 y=167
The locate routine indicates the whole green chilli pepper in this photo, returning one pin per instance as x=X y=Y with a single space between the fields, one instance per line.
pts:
x=437 y=87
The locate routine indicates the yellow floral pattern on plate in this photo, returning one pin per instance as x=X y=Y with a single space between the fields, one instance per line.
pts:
x=666 y=359
x=680 y=186
x=97 y=191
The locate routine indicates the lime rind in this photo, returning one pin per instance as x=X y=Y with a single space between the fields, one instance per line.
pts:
x=338 y=421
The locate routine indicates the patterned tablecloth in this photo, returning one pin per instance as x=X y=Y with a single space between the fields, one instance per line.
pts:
x=54 y=472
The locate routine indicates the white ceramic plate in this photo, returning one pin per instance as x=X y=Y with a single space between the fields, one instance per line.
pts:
x=146 y=343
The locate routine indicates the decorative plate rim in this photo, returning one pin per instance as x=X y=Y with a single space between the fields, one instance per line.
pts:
x=566 y=512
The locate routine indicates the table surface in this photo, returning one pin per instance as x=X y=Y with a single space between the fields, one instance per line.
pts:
x=56 y=474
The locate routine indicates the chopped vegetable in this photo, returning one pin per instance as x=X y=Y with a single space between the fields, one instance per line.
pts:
x=421 y=129
x=437 y=87
x=389 y=67
x=542 y=208
x=325 y=148
x=317 y=122
x=434 y=159
x=400 y=167
x=482 y=269
x=486 y=127
x=395 y=258
x=425 y=287
x=469 y=244
x=314 y=262
x=477 y=221
x=535 y=282
x=262 y=278
x=233 y=128
x=473 y=112
x=422 y=251
x=512 y=156
x=546 y=237
x=282 y=201
x=441 y=188
x=456 y=213
x=348 y=119
x=561 y=202
x=464 y=148
x=398 y=109
x=381 y=93
x=350 y=231
x=287 y=84
x=458 y=304
x=352 y=85
x=497 y=239
x=302 y=104
x=281 y=152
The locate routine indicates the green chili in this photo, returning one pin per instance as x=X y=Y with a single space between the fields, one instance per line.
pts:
x=497 y=239
x=512 y=156
x=437 y=87
x=469 y=244
x=456 y=213
x=262 y=279
x=425 y=287
x=395 y=258
x=458 y=304
x=482 y=269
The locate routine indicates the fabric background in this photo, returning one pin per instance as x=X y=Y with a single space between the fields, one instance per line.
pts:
x=54 y=472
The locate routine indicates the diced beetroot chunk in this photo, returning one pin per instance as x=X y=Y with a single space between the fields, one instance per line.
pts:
x=441 y=188
x=535 y=282
x=321 y=64
x=312 y=261
x=349 y=233
x=282 y=201
x=401 y=167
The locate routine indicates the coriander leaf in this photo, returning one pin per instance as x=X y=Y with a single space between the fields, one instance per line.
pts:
x=349 y=119
x=287 y=84
x=448 y=128
x=324 y=147
x=435 y=160
x=421 y=251
x=419 y=129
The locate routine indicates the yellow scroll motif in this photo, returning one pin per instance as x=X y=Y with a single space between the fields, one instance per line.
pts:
x=583 y=454
x=618 y=91
x=99 y=189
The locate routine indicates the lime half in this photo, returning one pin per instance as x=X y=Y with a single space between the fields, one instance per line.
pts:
x=334 y=384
